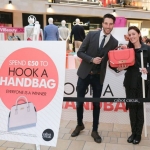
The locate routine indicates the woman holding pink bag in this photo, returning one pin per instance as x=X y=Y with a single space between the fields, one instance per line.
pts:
x=133 y=82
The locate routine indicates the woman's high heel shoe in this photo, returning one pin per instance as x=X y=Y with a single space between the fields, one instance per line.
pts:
x=131 y=138
x=137 y=139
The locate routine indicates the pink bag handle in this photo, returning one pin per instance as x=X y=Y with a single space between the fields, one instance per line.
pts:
x=22 y=98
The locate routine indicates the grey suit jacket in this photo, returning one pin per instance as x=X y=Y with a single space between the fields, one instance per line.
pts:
x=89 y=49
x=51 y=33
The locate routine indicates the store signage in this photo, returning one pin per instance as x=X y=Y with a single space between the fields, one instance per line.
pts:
x=32 y=86
x=11 y=30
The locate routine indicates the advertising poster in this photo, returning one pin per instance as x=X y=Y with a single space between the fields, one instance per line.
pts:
x=32 y=78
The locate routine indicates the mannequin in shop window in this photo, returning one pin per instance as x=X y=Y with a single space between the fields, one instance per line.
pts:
x=51 y=31
x=79 y=34
x=38 y=32
x=100 y=3
x=32 y=32
x=64 y=33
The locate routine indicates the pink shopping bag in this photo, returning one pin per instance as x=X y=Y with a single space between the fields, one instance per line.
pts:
x=120 y=22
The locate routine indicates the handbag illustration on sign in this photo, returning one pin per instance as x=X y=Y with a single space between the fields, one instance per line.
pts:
x=121 y=57
x=22 y=115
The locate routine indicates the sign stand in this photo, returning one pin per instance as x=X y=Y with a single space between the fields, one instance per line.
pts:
x=143 y=88
x=38 y=147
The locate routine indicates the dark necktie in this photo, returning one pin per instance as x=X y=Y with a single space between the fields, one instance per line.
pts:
x=102 y=43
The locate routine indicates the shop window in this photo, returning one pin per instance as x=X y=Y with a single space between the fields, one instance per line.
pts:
x=39 y=17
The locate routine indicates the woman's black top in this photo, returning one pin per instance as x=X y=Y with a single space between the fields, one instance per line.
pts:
x=132 y=75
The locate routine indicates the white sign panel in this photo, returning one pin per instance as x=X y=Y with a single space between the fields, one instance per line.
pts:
x=32 y=86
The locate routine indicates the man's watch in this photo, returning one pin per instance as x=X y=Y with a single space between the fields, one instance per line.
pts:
x=91 y=61
x=117 y=70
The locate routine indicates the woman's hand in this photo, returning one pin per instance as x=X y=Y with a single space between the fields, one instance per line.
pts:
x=144 y=70
x=123 y=47
x=122 y=67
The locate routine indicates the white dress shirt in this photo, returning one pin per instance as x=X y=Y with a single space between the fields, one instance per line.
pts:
x=102 y=36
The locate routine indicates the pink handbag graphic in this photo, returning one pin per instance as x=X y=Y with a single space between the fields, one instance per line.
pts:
x=120 y=22
x=22 y=115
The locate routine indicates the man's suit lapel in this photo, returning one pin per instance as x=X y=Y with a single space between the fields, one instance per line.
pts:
x=97 y=39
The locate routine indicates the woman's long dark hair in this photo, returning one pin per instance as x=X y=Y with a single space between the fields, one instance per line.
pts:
x=130 y=45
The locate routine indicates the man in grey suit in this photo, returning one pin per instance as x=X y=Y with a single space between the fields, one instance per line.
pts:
x=94 y=54
x=51 y=31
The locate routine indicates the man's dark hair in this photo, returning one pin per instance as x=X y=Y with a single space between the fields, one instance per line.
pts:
x=109 y=16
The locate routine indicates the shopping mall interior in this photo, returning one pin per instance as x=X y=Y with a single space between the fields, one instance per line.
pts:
x=114 y=126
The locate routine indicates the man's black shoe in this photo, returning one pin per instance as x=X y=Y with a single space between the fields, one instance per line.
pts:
x=77 y=130
x=96 y=137
x=137 y=139
x=131 y=138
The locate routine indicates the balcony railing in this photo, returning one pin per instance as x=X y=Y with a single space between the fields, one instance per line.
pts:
x=131 y=4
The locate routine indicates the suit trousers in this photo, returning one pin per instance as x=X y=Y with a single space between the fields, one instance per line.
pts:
x=82 y=86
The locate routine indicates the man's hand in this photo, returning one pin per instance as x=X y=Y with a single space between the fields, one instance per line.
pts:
x=97 y=60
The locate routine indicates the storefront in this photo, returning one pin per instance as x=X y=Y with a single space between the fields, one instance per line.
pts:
x=6 y=20
x=143 y=25
x=145 y=28
x=89 y=23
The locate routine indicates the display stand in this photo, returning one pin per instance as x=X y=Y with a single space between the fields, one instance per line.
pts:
x=38 y=147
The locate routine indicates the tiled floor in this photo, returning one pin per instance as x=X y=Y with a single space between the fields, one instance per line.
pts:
x=114 y=138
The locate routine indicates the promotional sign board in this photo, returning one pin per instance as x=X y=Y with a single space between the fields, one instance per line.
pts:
x=112 y=88
x=110 y=112
x=32 y=86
